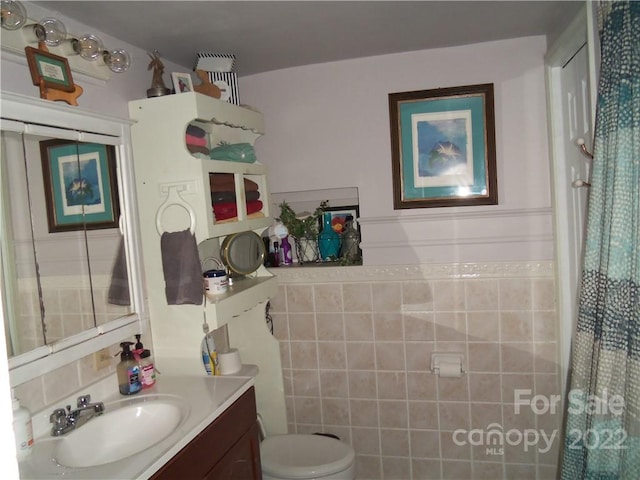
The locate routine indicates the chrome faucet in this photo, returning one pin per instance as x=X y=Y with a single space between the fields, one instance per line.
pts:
x=66 y=420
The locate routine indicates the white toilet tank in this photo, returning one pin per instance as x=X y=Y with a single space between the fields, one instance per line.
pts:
x=306 y=457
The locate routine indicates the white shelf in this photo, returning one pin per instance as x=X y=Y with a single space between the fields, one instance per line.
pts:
x=200 y=107
x=242 y=296
x=162 y=162
x=161 y=155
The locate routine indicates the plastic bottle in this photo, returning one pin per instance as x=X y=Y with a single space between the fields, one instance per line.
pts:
x=287 y=256
x=128 y=371
x=147 y=369
x=278 y=230
x=22 y=429
x=268 y=255
x=209 y=354
x=276 y=254
x=206 y=359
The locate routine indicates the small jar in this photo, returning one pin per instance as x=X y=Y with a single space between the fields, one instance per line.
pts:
x=215 y=281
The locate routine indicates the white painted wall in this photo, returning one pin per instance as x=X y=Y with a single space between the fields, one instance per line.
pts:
x=328 y=127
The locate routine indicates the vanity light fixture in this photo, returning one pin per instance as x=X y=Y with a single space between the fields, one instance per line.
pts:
x=118 y=61
x=14 y=15
x=88 y=46
x=53 y=33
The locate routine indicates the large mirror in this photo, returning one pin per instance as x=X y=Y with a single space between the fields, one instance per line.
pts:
x=69 y=246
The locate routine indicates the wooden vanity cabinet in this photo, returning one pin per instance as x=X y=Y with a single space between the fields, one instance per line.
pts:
x=228 y=449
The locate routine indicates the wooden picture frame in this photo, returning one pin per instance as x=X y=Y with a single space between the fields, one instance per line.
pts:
x=80 y=185
x=49 y=71
x=182 y=82
x=443 y=147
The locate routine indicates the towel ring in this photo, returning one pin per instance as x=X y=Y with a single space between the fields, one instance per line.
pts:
x=174 y=198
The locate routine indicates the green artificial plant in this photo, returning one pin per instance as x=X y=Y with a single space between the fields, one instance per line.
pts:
x=300 y=227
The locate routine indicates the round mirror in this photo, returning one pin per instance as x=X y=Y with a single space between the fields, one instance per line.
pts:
x=242 y=253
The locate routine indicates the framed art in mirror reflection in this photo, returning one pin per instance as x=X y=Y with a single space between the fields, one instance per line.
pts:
x=80 y=185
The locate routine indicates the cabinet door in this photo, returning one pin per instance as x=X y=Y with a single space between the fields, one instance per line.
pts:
x=210 y=447
x=242 y=462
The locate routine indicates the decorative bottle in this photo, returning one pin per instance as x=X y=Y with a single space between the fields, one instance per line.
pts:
x=350 y=241
x=285 y=248
x=328 y=240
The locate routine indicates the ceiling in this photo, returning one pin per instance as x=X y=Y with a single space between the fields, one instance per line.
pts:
x=267 y=35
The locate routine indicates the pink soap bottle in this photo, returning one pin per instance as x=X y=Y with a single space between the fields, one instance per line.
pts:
x=147 y=369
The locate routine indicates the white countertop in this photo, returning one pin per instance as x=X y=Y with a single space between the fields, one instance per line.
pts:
x=204 y=397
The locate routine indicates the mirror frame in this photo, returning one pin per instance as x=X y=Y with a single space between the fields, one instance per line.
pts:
x=228 y=245
x=89 y=127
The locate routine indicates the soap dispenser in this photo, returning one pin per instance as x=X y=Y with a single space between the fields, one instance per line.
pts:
x=144 y=358
x=128 y=371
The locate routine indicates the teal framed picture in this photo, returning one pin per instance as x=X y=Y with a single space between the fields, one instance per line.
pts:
x=81 y=190
x=443 y=147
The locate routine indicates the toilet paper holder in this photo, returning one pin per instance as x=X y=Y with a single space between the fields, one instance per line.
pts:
x=438 y=359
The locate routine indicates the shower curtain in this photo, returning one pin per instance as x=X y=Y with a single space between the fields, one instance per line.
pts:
x=602 y=430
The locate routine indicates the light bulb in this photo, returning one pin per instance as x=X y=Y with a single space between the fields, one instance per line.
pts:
x=14 y=15
x=51 y=31
x=118 y=61
x=88 y=46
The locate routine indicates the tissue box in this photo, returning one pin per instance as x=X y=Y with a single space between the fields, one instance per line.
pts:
x=215 y=62
x=227 y=82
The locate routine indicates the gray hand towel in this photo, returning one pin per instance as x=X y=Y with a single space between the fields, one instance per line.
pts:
x=181 y=267
x=119 y=288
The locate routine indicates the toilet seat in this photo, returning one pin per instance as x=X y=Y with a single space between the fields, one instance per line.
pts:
x=299 y=456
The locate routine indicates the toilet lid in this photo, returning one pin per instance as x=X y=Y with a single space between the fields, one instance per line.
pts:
x=304 y=456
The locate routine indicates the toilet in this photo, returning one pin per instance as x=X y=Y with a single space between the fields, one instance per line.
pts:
x=305 y=457
x=308 y=457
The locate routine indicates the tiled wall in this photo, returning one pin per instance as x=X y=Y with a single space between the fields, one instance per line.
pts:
x=68 y=310
x=356 y=344
x=46 y=391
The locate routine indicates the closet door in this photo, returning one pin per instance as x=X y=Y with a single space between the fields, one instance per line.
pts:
x=577 y=130
x=571 y=87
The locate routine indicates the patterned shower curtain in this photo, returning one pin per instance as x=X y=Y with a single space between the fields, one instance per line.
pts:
x=602 y=430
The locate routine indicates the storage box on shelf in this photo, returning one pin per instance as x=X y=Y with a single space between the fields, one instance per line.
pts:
x=166 y=169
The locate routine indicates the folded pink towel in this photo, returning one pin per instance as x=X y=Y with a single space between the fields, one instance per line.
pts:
x=198 y=141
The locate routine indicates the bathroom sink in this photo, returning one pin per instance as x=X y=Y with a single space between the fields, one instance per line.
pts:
x=136 y=435
x=126 y=428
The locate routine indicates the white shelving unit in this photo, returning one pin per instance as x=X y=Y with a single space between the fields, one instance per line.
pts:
x=166 y=171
